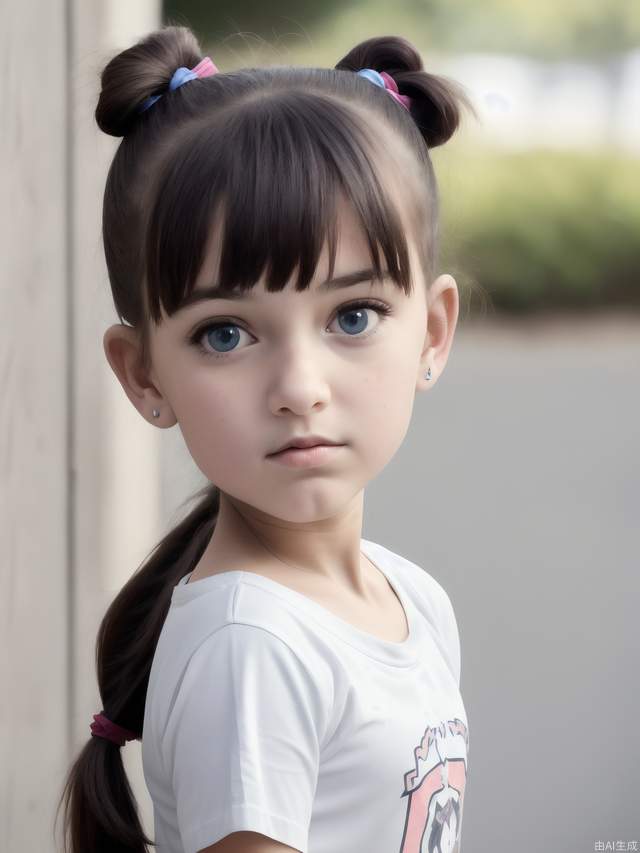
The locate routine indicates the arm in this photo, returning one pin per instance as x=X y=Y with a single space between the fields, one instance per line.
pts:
x=248 y=842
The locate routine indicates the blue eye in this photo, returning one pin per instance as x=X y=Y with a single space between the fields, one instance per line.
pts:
x=227 y=331
x=227 y=334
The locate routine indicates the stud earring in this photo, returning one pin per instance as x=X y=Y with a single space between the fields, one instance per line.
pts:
x=428 y=374
x=156 y=413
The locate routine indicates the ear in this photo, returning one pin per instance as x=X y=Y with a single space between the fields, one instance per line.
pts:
x=122 y=348
x=442 y=317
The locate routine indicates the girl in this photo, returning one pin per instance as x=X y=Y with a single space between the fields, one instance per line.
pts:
x=271 y=241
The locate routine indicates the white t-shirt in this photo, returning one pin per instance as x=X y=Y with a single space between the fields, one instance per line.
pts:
x=267 y=712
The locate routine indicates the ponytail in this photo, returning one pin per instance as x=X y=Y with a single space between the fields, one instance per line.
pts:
x=100 y=808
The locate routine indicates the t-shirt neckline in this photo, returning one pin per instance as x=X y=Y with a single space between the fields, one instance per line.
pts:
x=386 y=651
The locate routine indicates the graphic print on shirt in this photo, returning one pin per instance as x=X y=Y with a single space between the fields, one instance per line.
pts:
x=435 y=790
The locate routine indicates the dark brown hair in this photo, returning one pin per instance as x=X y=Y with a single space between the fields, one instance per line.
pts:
x=268 y=150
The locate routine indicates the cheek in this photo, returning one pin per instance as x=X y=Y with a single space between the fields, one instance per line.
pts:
x=382 y=404
x=213 y=421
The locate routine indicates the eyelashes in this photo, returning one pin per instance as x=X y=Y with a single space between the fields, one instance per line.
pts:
x=381 y=308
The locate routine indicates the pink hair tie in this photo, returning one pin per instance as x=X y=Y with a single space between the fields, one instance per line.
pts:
x=386 y=81
x=205 y=68
x=103 y=727
x=182 y=75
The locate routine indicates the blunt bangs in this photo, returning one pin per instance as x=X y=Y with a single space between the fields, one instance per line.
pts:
x=271 y=170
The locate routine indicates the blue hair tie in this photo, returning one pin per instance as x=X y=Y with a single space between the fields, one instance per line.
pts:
x=180 y=75
x=205 y=68
x=373 y=75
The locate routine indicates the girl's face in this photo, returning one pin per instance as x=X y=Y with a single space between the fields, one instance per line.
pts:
x=297 y=363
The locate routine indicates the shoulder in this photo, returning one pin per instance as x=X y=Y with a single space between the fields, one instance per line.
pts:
x=417 y=579
x=243 y=610
x=429 y=597
x=251 y=660
x=243 y=646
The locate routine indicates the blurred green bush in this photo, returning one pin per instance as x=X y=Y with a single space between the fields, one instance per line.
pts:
x=540 y=230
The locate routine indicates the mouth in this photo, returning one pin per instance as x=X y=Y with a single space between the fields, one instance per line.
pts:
x=305 y=443
x=290 y=447
x=306 y=457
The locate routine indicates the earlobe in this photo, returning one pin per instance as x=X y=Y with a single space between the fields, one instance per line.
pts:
x=426 y=377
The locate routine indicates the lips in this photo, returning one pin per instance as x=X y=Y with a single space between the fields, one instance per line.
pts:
x=307 y=457
x=304 y=442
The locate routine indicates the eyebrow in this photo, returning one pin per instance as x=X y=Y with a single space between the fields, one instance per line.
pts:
x=216 y=292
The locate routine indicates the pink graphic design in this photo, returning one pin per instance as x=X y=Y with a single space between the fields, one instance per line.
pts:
x=435 y=790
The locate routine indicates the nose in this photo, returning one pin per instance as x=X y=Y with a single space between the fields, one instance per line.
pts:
x=299 y=382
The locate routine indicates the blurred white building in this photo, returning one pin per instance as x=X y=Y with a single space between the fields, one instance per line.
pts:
x=562 y=104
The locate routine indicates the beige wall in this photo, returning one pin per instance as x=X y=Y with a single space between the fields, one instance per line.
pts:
x=70 y=441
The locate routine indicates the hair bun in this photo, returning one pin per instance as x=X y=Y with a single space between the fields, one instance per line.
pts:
x=140 y=71
x=435 y=100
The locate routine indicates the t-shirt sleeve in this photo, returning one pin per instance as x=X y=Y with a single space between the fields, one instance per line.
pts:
x=244 y=749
